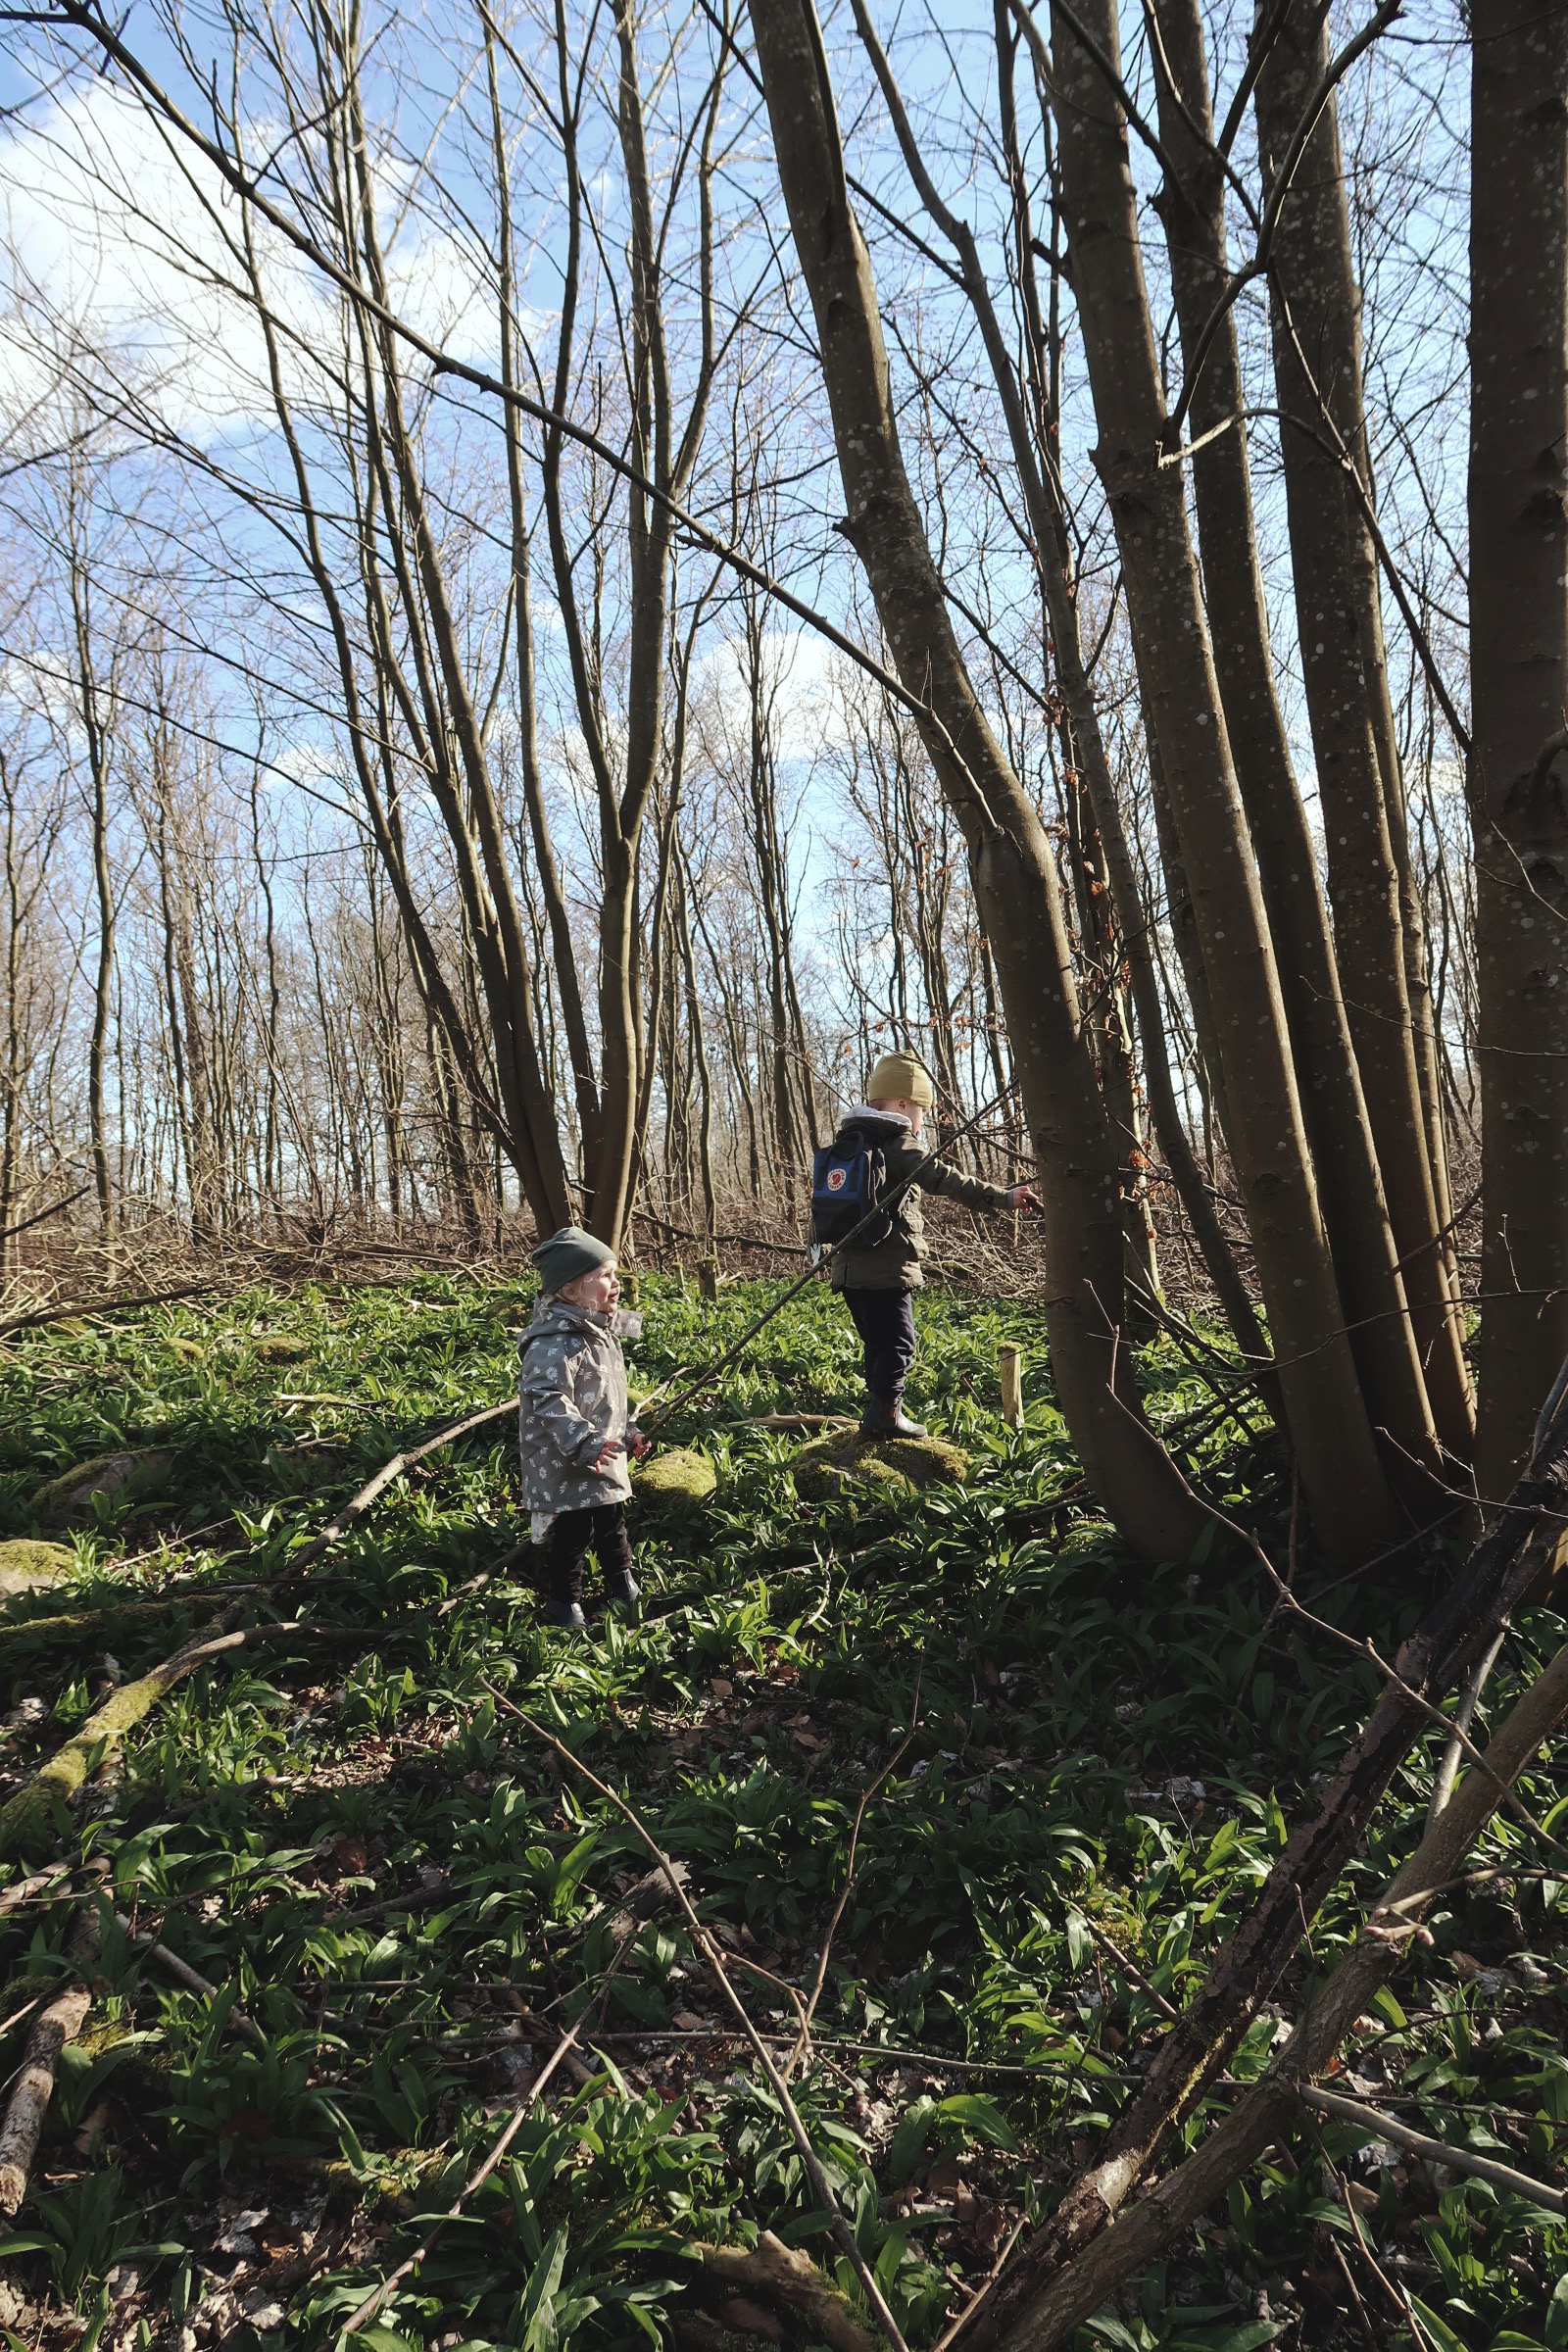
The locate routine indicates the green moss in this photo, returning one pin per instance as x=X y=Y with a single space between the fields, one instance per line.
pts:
x=27 y=1820
x=845 y=1461
x=680 y=1476
x=1088 y=1534
x=275 y=1350
x=119 y=1476
x=28 y=1566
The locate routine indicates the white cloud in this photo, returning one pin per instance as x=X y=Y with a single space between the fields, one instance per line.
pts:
x=115 y=240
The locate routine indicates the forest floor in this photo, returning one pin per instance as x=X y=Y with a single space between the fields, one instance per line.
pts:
x=403 y=1893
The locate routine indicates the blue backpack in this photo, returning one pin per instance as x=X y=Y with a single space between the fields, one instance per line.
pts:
x=849 y=1177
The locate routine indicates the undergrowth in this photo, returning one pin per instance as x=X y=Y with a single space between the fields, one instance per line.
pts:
x=407 y=1898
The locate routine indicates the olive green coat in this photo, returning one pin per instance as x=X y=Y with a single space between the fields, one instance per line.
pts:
x=894 y=1264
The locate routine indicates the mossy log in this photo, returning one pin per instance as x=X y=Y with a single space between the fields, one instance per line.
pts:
x=119 y=1477
x=680 y=1476
x=27 y=1820
x=78 y=1627
x=278 y=1350
x=849 y=1462
x=30 y=1566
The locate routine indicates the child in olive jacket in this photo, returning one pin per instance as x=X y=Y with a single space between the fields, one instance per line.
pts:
x=573 y=1425
x=879 y=1282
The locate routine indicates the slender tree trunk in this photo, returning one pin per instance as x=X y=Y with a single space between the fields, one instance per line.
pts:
x=103 y=990
x=557 y=915
x=1356 y=1210
x=1518 y=772
x=1010 y=857
x=1317 y=366
x=1330 y=1429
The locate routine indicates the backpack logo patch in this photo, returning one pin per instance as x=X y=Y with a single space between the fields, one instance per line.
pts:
x=837 y=1179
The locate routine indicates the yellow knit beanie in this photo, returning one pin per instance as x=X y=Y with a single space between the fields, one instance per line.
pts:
x=900 y=1078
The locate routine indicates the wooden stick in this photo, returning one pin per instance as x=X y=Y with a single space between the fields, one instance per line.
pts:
x=60 y=2021
x=1436 y=2151
x=358 y=1504
x=476 y=2179
x=20 y=2133
x=1009 y=1371
x=802 y=2043
x=1136 y=2236
x=183 y=1974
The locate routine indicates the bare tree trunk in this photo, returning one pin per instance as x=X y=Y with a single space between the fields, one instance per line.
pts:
x=557 y=915
x=1317 y=366
x=1519 y=668
x=1330 y=1429
x=1355 y=1211
x=1010 y=859
x=96 y=738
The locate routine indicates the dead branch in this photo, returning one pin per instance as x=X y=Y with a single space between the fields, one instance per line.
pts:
x=773 y=2269
x=1519 y=1546
x=60 y=2021
x=1136 y=2237
x=193 y=1979
x=20 y=2133
x=867 y=1796
x=358 y=1504
x=367 y=2311
x=1436 y=2151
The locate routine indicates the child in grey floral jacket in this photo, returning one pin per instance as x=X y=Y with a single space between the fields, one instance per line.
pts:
x=573 y=1427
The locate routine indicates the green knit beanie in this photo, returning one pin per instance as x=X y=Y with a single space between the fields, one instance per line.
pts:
x=568 y=1254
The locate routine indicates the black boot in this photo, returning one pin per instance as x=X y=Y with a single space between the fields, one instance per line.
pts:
x=884 y=1417
x=567 y=1614
x=622 y=1589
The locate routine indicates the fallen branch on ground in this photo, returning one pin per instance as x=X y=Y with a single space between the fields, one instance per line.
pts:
x=476 y=2179
x=25 y=1820
x=1443 y=1650
x=193 y=1979
x=1136 y=2236
x=771 y=2268
x=868 y=1795
x=358 y=1504
x=60 y=2021
x=1436 y=2151
x=91 y=1308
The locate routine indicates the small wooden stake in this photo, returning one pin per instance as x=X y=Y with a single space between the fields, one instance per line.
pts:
x=1010 y=1367
x=707 y=1277
x=631 y=1286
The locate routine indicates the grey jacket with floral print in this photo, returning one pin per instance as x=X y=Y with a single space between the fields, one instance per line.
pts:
x=572 y=1401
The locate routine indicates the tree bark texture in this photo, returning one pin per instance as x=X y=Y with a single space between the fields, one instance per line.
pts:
x=1353 y=1505
x=1315 y=312
x=1011 y=859
x=1354 y=1206
x=1519 y=670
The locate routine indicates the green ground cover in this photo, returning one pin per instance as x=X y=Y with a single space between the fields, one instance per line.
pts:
x=401 y=1897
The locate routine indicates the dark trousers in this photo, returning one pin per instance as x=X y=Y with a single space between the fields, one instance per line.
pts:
x=885 y=1321
x=576 y=1533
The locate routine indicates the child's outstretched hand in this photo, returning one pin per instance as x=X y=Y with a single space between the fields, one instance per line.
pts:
x=607 y=1453
x=639 y=1444
x=1024 y=1196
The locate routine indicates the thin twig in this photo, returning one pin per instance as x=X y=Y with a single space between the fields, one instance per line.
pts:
x=1436 y=2151
x=868 y=1795
x=710 y=1952
x=476 y=2179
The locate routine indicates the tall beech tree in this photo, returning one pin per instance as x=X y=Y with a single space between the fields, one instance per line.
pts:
x=1077 y=1152
x=1518 y=764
